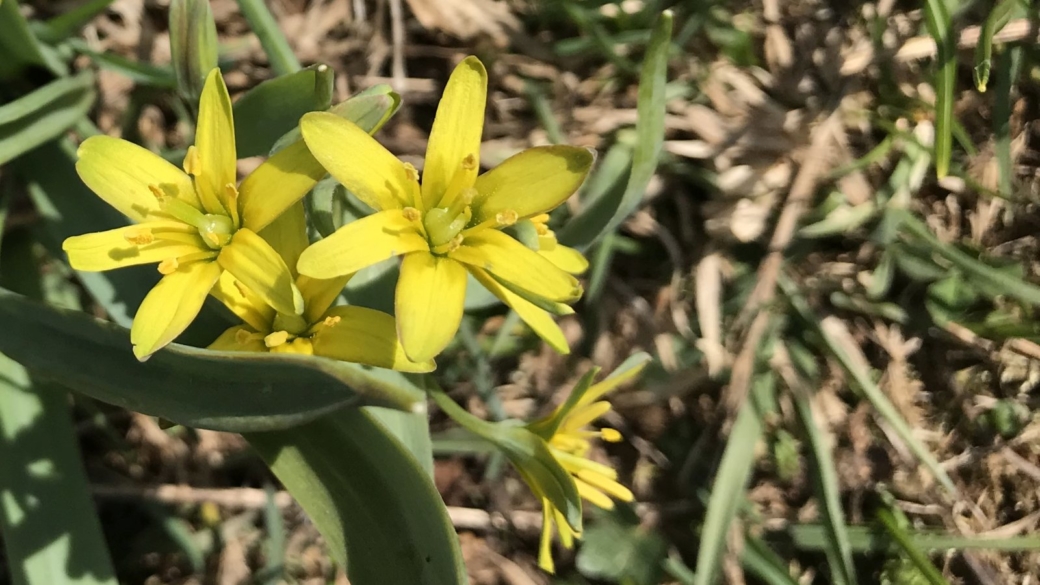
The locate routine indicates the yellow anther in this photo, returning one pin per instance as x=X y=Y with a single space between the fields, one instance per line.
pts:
x=455 y=243
x=213 y=239
x=411 y=172
x=169 y=266
x=139 y=237
x=469 y=162
x=332 y=320
x=157 y=192
x=411 y=214
x=243 y=337
x=507 y=217
x=192 y=164
x=610 y=435
x=242 y=290
x=275 y=339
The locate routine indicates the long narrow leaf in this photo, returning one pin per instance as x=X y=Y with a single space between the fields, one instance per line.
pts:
x=43 y=114
x=606 y=213
x=378 y=510
x=283 y=61
x=937 y=18
x=734 y=472
x=18 y=46
x=998 y=17
x=274 y=107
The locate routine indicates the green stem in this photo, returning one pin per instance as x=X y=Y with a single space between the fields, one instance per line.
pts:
x=283 y=61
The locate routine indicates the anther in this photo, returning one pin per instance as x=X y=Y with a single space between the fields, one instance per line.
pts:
x=610 y=435
x=243 y=337
x=332 y=320
x=157 y=192
x=411 y=214
x=455 y=243
x=169 y=266
x=275 y=339
x=411 y=172
x=469 y=163
x=192 y=164
x=242 y=290
x=506 y=218
x=139 y=237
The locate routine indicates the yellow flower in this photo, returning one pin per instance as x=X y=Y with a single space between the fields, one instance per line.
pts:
x=194 y=223
x=352 y=334
x=569 y=439
x=451 y=223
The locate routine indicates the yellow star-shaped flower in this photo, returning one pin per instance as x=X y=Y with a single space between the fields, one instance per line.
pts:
x=452 y=223
x=194 y=223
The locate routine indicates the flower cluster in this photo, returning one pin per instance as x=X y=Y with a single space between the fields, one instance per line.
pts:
x=246 y=244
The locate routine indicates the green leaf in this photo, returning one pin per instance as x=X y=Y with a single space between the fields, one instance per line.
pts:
x=762 y=562
x=369 y=109
x=998 y=17
x=260 y=19
x=379 y=512
x=937 y=18
x=51 y=532
x=44 y=114
x=140 y=72
x=274 y=107
x=193 y=45
x=887 y=518
x=606 y=213
x=19 y=47
x=828 y=491
x=616 y=548
x=738 y=460
x=66 y=24
x=867 y=539
x=227 y=391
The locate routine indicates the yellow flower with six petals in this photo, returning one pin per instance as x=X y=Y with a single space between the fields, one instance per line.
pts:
x=346 y=333
x=570 y=441
x=194 y=223
x=451 y=223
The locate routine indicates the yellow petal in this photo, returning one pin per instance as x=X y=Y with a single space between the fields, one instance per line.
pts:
x=357 y=161
x=111 y=249
x=171 y=306
x=288 y=235
x=513 y=262
x=545 y=560
x=593 y=495
x=319 y=294
x=566 y=259
x=120 y=173
x=540 y=321
x=276 y=184
x=244 y=303
x=362 y=243
x=431 y=292
x=363 y=336
x=580 y=416
x=239 y=338
x=531 y=182
x=255 y=264
x=605 y=484
x=214 y=144
x=456 y=129
x=615 y=379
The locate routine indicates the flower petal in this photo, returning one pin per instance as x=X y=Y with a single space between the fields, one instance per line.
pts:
x=593 y=495
x=431 y=292
x=363 y=336
x=255 y=264
x=356 y=160
x=276 y=184
x=545 y=560
x=111 y=249
x=288 y=235
x=319 y=294
x=244 y=303
x=120 y=173
x=214 y=144
x=540 y=321
x=362 y=243
x=456 y=129
x=239 y=338
x=566 y=259
x=513 y=262
x=171 y=306
x=531 y=182
x=605 y=484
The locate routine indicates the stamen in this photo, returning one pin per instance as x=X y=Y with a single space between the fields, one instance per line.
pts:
x=506 y=218
x=501 y=219
x=231 y=193
x=275 y=339
x=610 y=435
x=469 y=162
x=332 y=321
x=461 y=202
x=411 y=172
x=411 y=214
x=157 y=192
x=139 y=237
x=192 y=164
x=460 y=180
x=414 y=191
x=243 y=337
x=242 y=290
x=169 y=266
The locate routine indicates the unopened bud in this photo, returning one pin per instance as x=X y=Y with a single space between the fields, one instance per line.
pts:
x=193 y=44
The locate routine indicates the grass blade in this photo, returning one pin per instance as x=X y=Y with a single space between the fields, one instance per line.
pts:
x=825 y=482
x=762 y=562
x=65 y=25
x=864 y=539
x=998 y=17
x=606 y=213
x=937 y=18
x=1007 y=70
x=19 y=47
x=43 y=114
x=283 y=61
x=887 y=519
x=734 y=472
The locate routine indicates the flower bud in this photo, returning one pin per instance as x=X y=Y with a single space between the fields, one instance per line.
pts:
x=193 y=44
